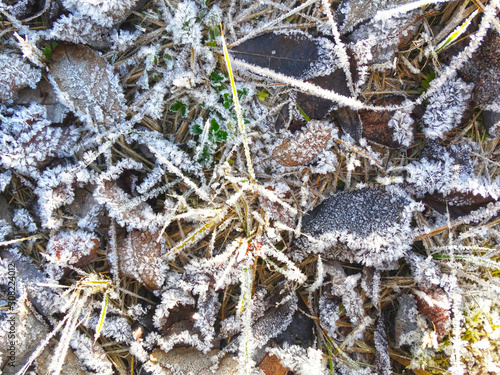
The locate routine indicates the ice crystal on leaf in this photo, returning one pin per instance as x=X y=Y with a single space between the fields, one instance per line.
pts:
x=446 y=108
x=92 y=355
x=370 y=226
x=86 y=84
x=15 y=74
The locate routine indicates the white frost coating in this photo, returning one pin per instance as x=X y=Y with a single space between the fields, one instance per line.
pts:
x=91 y=355
x=5 y=180
x=23 y=220
x=446 y=107
x=449 y=171
x=27 y=140
x=402 y=123
x=15 y=74
x=104 y=13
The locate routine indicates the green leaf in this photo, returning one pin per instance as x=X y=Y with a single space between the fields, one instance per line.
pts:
x=303 y=113
x=262 y=96
x=179 y=106
x=214 y=126
x=220 y=136
x=211 y=44
x=227 y=101
x=196 y=129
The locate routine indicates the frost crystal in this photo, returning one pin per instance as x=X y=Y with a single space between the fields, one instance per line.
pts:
x=105 y=13
x=23 y=220
x=370 y=226
x=15 y=74
x=28 y=141
x=446 y=107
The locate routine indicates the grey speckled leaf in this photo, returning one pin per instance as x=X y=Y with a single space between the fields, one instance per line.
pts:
x=370 y=226
x=352 y=12
x=86 y=84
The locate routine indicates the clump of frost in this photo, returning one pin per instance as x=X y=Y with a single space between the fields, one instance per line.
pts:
x=184 y=26
x=446 y=171
x=326 y=162
x=371 y=226
x=105 y=13
x=402 y=124
x=67 y=248
x=5 y=180
x=446 y=107
x=91 y=355
x=114 y=327
x=23 y=220
x=15 y=74
x=28 y=140
x=5 y=229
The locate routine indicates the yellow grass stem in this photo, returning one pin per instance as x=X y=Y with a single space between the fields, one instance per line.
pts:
x=237 y=108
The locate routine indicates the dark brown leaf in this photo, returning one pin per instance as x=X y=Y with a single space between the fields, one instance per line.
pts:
x=308 y=144
x=314 y=107
x=456 y=204
x=291 y=55
x=86 y=84
x=348 y=120
x=484 y=70
x=376 y=123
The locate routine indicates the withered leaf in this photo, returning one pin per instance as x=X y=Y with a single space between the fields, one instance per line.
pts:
x=457 y=204
x=308 y=144
x=353 y=12
x=139 y=258
x=484 y=70
x=314 y=107
x=435 y=305
x=291 y=55
x=376 y=123
x=271 y=365
x=371 y=226
x=44 y=95
x=86 y=84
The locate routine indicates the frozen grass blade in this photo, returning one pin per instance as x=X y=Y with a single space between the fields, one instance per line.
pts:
x=237 y=108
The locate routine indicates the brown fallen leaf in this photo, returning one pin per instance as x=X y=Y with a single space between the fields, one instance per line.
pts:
x=44 y=95
x=74 y=247
x=435 y=305
x=86 y=84
x=376 y=123
x=457 y=204
x=308 y=144
x=271 y=365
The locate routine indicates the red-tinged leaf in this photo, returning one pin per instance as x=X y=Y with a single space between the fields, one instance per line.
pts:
x=308 y=144
x=435 y=305
x=271 y=365
x=86 y=84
